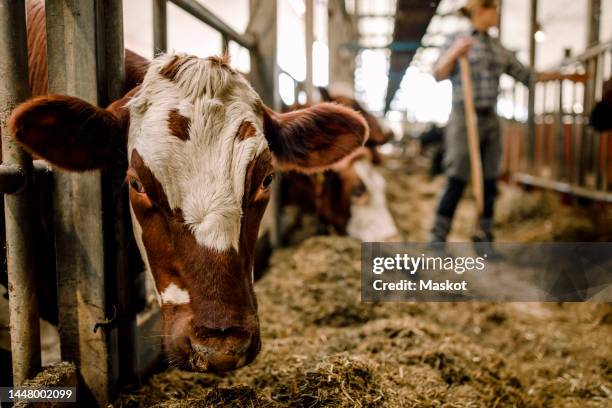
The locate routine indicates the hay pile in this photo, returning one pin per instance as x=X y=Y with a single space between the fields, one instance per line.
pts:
x=322 y=347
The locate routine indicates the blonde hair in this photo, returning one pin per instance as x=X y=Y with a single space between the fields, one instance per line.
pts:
x=472 y=5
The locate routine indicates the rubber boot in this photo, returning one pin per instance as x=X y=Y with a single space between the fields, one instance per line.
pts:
x=483 y=240
x=440 y=229
x=438 y=234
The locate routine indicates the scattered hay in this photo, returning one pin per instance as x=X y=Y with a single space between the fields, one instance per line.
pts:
x=323 y=347
x=57 y=375
x=62 y=374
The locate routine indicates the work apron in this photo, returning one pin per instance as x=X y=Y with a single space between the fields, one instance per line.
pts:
x=457 y=156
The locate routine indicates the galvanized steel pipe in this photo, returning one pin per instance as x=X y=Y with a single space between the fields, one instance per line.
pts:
x=18 y=210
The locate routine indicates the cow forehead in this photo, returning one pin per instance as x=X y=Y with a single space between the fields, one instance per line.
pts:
x=202 y=172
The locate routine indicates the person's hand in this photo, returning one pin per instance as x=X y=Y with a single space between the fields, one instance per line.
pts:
x=462 y=46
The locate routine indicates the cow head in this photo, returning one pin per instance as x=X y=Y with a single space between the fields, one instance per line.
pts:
x=201 y=150
x=352 y=199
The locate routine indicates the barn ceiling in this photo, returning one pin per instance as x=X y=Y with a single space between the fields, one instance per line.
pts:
x=411 y=21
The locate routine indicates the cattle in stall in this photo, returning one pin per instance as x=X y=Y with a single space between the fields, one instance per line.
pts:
x=200 y=150
x=350 y=196
x=601 y=116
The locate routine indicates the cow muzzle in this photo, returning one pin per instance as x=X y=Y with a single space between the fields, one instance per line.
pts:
x=204 y=349
x=223 y=350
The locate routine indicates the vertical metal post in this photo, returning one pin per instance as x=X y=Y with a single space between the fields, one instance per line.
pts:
x=593 y=22
x=530 y=142
x=116 y=223
x=343 y=30
x=590 y=138
x=160 y=27
x=264 y=77
x=309 y=36
x=18 y=210
x=71 y=46
x=501 y=15
x=264 y=68
x=559 y=170
x=224 y=45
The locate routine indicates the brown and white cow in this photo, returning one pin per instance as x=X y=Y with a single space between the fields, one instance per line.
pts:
x=350 y=196
x=202 y=149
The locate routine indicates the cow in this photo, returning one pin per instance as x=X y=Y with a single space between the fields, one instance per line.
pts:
x=201 y=150
x=601 y=116
x=350 y=196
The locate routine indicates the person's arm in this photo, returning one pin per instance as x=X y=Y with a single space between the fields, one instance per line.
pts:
x=525 y=75
x=447 y=61
x=517 y=70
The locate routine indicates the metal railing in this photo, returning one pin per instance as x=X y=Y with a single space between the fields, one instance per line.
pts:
x=90 y=243
x=567 y=155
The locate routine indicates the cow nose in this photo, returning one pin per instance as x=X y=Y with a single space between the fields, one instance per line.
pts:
x=222 y=350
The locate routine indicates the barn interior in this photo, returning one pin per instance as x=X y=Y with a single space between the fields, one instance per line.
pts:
x=321 y=344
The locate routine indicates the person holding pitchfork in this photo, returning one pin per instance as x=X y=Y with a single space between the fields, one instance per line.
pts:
x=487 y=59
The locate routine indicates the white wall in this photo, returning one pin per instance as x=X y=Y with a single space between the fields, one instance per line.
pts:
x=564 y=22
x=185 y=33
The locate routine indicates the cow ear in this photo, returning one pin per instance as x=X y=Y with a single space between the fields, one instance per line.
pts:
x=314 y=138
x=70 y=132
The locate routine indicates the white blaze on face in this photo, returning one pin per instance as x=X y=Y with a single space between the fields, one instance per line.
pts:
x=173 y=295
x=372 y=221
x=204 y=175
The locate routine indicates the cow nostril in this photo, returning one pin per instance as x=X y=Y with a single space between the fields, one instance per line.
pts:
x=230 y=342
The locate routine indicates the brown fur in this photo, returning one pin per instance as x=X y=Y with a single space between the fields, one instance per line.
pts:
x=171 y=69
x=37 y=47
x=246 y=130
x=327 y=196
x=223 y=61
x=67 y=131
x=333 y=131
x=178 y=125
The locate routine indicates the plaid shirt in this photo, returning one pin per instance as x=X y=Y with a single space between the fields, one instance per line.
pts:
x=488 y=60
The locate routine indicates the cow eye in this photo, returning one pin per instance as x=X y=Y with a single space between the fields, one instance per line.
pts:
x=137 y=185
x=268 y=180
x=358 y=190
